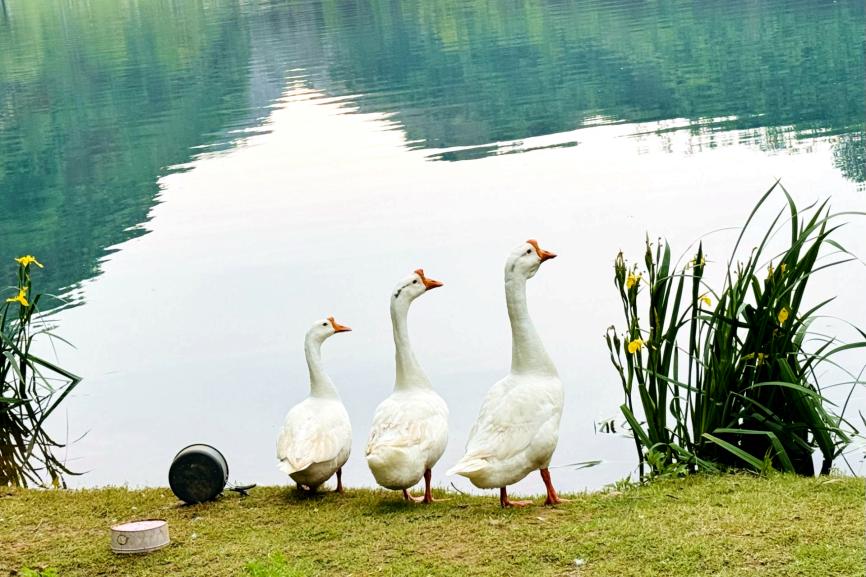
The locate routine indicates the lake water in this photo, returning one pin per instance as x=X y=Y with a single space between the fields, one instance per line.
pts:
x=204 y=179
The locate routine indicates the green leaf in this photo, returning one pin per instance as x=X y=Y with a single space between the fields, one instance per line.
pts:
x=774 y=440
x=757 y=464
x=636 y=428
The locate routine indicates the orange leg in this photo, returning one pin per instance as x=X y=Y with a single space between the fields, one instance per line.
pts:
x=428 y=494
x=552 y=497
x=408 y=496
x=340 y=480
x=505 y=502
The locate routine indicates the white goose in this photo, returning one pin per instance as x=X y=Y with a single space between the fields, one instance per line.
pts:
x=410 y=427
x=518 y=426
x=317 y=435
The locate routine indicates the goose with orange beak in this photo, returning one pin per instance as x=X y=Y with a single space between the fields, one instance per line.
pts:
x=316 y=437
x=518 y=426
x=410 y=427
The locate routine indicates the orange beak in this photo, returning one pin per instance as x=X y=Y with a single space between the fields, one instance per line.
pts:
x=542 y=254
x=338 y=328
x=429 y=283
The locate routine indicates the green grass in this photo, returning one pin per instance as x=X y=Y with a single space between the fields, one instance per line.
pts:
x=726 y=525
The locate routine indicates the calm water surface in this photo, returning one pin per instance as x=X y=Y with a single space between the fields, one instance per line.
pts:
x=205 y=179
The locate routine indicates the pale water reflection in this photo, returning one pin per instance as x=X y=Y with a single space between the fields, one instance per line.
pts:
x=195 y=331
x=98 y=99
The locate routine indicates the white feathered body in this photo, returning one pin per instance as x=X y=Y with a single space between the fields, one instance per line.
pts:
x=518 y=426
x=315 y=440
x=516 y=432
x=408 y=436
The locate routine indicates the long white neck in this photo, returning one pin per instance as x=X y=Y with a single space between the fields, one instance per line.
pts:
x=320 y=385
x=527 y=351
x=409 y=372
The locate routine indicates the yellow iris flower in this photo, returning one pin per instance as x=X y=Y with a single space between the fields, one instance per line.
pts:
x=27 y=260
x=706 y=300
x=21 y=298
x=761 y=358
x=783 y=315
x=632 y=280
x=635 y=345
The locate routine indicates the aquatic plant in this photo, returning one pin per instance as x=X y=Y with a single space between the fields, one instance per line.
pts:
x=31 y=388
x=730 y=378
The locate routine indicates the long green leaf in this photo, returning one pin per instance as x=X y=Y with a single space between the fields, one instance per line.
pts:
x=638 y=431
x=736 y=451
x=774 y=440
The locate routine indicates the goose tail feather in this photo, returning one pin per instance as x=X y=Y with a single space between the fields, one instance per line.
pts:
x=467 y=467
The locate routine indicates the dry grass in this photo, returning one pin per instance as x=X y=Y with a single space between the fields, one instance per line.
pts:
x=704 y=525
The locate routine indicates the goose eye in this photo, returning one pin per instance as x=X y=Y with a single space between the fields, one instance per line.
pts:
x=324 y=324
x=529 y=250
x=415 y=281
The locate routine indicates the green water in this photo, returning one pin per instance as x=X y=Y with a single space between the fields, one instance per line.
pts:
x=100 y=98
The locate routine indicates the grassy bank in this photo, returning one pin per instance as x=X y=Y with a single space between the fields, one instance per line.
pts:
x=719 y=525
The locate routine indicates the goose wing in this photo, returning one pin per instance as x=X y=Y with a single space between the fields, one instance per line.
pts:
x=510 y=419
x=401 y=424
x=312 y=434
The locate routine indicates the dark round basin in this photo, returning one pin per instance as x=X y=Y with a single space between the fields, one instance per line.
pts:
x=198 y=473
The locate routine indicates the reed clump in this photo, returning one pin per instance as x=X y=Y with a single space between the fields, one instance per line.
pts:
x=31 y=389
x=714 y=379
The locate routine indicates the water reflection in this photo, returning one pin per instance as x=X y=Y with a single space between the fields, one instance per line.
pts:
x=470 y=73
x=91 y=115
